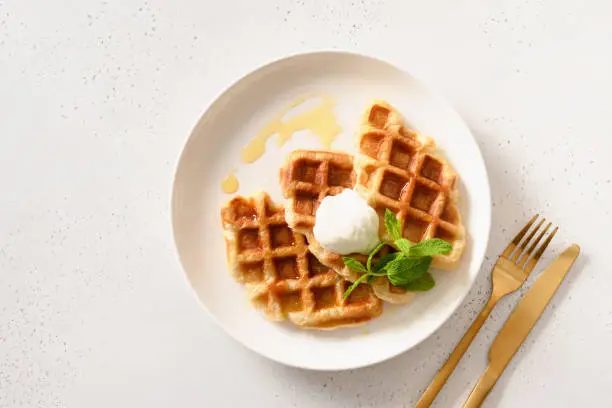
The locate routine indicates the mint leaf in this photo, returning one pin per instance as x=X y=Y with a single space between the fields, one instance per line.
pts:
x=407 y=268
x=351 y=288
x=403 y=245
x=430 y=247
x=404 y=270
x=374 y=252
x=384 y=260
x=393 y=225
x=423 y=284
x=354 y=264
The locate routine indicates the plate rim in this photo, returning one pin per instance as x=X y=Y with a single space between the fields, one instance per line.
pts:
x=203 y=117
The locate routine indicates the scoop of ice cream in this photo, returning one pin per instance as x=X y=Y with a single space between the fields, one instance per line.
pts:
x=346 y=224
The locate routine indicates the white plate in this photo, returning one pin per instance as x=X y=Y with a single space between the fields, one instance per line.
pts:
x=213 y=150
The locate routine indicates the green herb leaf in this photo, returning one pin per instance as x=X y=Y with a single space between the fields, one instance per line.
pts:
x=374 y=252
x=351 y=288
x=383 y=261
x=404 y=245
x=430 y=247
x=393 y=225
x=423 y=284
x=354 y=264
x=407 y=268
x=404 y=270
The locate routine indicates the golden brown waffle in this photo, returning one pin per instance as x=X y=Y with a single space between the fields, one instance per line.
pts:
x=281 y=275
x=396 y=168
x=399 y=169
x=309 y=176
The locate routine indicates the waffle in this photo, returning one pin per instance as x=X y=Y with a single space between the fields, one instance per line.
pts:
x=399 y=169
x=308 y=177
x=282 y=277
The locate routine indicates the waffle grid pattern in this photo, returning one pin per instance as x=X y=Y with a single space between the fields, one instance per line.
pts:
x=282 y=277
x=396 y=170
x=310 y=176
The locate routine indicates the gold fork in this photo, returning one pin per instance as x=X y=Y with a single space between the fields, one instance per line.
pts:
x=511 y=270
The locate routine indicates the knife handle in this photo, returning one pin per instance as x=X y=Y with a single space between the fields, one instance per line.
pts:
x=482 y=388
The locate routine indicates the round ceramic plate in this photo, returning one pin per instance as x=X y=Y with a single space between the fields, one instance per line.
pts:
x=213 y=151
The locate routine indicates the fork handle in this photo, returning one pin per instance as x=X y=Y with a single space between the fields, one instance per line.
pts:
x=447 y=369
x=481 y=389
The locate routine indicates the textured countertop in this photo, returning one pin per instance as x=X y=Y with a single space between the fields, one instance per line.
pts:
x=97 y=99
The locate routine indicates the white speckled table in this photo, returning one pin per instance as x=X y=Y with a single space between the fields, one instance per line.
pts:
x=97 y=99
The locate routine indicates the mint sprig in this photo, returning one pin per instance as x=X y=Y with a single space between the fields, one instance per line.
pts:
x=430 y=247
x=367 y=271
x=393 y=225
x=408 y=268
x=423 y=284
x=405 y=270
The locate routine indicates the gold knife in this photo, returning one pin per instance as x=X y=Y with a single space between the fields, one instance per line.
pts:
x=520 y=323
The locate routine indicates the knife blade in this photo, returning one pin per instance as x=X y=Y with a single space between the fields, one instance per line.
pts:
x=521 y=321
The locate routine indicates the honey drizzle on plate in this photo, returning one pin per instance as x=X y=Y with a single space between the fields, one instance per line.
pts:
x=320 y=120
x=230 y=184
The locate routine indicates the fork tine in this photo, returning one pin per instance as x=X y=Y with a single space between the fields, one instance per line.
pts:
x=536 y=257
x=508 y=251
x=526 y=241
x=528 y=253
